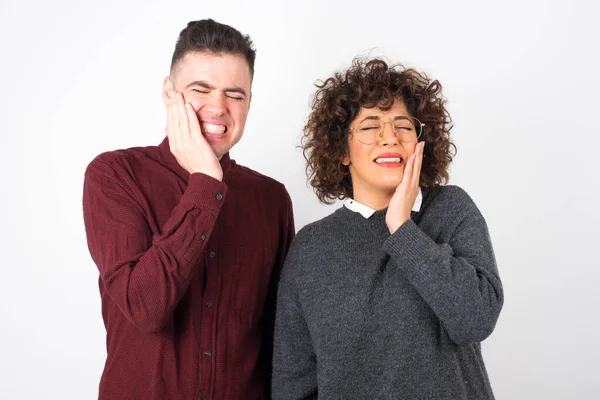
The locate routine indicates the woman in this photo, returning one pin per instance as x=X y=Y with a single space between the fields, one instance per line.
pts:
x=390 y=296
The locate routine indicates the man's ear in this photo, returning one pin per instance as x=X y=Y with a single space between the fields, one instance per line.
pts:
x=167 y=88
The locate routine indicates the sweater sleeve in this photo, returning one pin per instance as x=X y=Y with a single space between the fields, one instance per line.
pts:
x=294 y=360
x=459 y=280
x=144 y=274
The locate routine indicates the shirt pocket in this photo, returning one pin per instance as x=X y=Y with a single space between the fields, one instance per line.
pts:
x=252 y=274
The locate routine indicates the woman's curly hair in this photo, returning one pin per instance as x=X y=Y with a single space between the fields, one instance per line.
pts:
x=369 y=84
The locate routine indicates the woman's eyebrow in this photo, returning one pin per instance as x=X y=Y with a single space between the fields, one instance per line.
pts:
x=376 y=118
x=370 y=117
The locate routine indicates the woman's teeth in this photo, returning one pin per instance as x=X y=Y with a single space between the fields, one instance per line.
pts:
x=212 y=128
x=389 y=159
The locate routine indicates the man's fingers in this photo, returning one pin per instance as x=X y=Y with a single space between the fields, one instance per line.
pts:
x=182 y=118
x=172 y=123
x=193 y=123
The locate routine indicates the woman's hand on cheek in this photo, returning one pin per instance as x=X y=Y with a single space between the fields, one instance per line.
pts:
x=406 y=193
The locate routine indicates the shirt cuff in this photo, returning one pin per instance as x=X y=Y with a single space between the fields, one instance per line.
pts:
x=204 y=191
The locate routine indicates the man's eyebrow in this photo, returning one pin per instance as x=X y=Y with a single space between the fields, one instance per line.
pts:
x=203 y=84
x=236 y=90
x=207 y=85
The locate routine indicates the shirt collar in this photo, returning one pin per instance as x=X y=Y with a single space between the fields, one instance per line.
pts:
x=170 y=159
x=367 y=211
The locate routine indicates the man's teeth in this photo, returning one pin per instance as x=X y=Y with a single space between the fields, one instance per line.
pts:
x=389 y=159
x=212 y=128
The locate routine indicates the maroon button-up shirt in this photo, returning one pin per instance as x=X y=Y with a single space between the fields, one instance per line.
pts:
x=188 y=268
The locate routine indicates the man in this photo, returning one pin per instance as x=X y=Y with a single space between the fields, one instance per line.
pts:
x=189 y=244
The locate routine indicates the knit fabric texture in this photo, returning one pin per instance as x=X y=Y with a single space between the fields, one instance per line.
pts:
x=362 y=314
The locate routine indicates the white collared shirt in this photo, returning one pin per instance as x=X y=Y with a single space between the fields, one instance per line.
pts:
x=367 y=211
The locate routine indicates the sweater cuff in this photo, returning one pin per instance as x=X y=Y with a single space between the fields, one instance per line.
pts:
x=204 y=191
x=411 y=245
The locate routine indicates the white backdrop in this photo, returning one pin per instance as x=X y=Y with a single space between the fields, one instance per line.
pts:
x=522 y=80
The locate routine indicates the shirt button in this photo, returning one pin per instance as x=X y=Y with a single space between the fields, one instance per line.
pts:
x=209 y=304
x=207 y=353
x=219 y=196
x=202 y=237
x=212 y=254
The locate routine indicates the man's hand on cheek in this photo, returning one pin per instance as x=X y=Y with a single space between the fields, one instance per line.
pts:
x=186 y=142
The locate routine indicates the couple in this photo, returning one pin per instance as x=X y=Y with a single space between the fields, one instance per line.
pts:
x=389 y=297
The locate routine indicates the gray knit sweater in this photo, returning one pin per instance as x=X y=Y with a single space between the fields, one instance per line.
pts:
x=363 y=314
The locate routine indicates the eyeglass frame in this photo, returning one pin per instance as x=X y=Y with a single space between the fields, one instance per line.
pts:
x=420 y=124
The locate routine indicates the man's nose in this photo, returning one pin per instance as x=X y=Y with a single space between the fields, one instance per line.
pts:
x=216 y=103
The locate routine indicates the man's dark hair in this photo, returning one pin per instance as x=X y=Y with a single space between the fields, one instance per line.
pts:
x=208 y=35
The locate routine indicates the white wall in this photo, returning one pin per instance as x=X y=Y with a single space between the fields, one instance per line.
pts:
x=79 y=78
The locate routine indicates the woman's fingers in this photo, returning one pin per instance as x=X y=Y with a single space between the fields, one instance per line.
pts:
x=417 y=166
x=408 y=172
